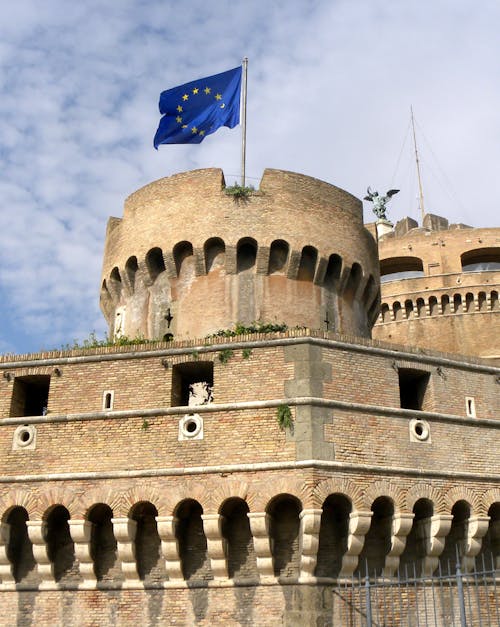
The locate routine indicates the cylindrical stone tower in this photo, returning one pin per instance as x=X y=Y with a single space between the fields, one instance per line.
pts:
x=187 y=259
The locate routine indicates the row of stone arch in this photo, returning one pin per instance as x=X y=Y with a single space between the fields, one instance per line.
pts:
x=285 y=542
x=247 y=255
x=448 y=304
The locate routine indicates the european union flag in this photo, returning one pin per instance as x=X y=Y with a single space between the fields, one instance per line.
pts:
x=197 y=109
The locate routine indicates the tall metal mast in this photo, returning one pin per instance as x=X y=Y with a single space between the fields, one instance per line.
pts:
x=421 y=192
x=244 y=121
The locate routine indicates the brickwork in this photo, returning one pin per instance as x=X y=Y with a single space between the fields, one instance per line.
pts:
x=295 y=251
x=124 y=504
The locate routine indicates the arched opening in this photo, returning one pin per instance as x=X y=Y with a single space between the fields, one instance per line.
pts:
x=481 y=260
x=333 y=271
x=489 y=556
x=60 y=546
x=150 y=565
x=103 y=547
x=420 y=307
x=455 y=538
x=241 y=560
x=445 y=304
x=494 y=301
x=192 y=542
x=181 y=252
x=378 y=539
x=19 y=548
x=385 y=313
x=469 y=302
x=409 y=308
x=215 y=254
x=369 y=291
x=415 y=548
x=115 y=283
x=131 y=268
x=397 y=310
x=155 y=263
x=307 y=265
x=333 y=535
x=481 y=301
x=457 y=303
x=397 y=268
x=433 y=306
x=246 y=254
x=355 y=276
x=278 y=257
x=284 y=531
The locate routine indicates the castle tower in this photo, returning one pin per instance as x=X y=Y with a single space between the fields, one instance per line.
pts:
x=187 y=259
x=440 y=286
x=253 y=479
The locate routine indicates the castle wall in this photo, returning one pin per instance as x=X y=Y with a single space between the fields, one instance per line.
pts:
x=110 y=513
x=447 y=308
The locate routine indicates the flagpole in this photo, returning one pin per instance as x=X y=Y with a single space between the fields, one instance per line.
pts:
x=421 y=195
x=244 y=121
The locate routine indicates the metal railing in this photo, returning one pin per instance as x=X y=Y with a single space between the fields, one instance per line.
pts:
x=448 y=598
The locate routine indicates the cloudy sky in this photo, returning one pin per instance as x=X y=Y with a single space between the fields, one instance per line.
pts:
x=330 y=87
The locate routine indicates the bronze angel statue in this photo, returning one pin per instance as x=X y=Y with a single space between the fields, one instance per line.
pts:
x=379 y=202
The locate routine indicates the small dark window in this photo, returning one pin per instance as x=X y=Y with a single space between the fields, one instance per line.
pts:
x=192 y=383
x=30 y=395
x=412 y=387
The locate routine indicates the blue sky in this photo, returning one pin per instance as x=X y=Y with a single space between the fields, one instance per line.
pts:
x=329 y=94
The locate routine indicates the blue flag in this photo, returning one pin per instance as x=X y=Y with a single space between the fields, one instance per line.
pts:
x=197 y=109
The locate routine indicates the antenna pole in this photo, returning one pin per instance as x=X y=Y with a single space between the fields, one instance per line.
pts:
x=244 y=121
x=421 y=197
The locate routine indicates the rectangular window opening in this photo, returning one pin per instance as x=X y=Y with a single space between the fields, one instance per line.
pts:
x=412 y=387
x=470 y=406
x=108 y=398
x=30 y=395
x=192 y=383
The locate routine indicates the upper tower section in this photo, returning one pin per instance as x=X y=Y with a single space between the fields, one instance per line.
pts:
x=187 y=259
x=440 y=285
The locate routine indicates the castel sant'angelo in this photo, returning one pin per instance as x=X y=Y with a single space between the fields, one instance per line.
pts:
x=321 y=402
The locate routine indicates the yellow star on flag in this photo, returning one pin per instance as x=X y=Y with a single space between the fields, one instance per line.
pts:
x=184 y=126
x=185 y=97
x=179 y=109
x=207 y=90
x=218 y=97
x=195 y=90
x=202 y=133
x=178 y=119
x=194 y=130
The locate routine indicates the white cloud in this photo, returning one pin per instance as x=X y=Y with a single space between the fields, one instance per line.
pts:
x=330 y=88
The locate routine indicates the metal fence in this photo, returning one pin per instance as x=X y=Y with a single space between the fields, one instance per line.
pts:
x=448 y=598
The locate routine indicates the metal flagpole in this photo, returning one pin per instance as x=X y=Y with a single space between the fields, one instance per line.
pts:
x=244 y=121
x=418 y=168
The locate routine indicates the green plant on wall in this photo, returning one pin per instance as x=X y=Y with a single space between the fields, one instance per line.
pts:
x=239 y=192
x=246 y=352
x=284 y=416
x=225 y=355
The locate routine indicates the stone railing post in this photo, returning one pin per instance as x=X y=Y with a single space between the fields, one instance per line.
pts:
x=37 y=532
x=310 y=522
x=259 y=526
x=432 y=532
x=216 y=544
x=476 y=528
x=359 y=523
x=400 y=528
x=167 y=526
x=81 y=534
x=124 y=530
x=6 y=575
